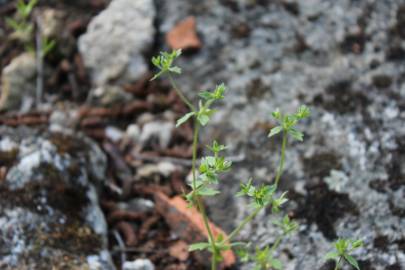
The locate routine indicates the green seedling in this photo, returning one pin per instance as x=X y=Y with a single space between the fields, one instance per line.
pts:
x=47 y=46
x=206 y=177
x=21 y=24
x=343 y=252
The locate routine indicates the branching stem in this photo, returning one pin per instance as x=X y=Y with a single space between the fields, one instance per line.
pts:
x=243 y=223
x=180 y=94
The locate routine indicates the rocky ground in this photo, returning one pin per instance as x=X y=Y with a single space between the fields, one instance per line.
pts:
x=344 y=59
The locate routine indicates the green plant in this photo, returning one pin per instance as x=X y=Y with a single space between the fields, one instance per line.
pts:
x=206 y=177
x=23 y=28
x=47 y=46
x=342 y=252
x=21 y=24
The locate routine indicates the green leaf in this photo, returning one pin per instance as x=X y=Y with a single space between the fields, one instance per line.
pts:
x=47 y=46
x=357 y=243
x=205 y=95
x=203 y=119
x=275 y=131
x=176 y=70
x=296 y=134
x=331 y=255
x=199 y=246
x=303 y=112
x=341 y=246
x=156 y=61
x=243 y=254
x=277 y=114
x=276 y=264
x=184 y=119
x=352 y=261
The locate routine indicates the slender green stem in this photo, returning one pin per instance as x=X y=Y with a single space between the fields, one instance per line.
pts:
x=243 y=223
x=211 y=238
x=282 y=159
x=338 y=263
x=194 y=158
x=197 y=198
x=181 y=95
x=276 y=243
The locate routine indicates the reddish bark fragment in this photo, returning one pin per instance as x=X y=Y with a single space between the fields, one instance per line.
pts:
x=184 y=35
x=188 y=224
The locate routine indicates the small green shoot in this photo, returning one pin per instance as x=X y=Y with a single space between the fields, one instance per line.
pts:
x=343 y=252
x=21 y=24
x=164 y=63
x=47 y=46
x=264 y=260
x=288 y=122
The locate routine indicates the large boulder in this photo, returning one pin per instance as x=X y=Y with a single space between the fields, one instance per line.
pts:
x=49 y=213
x=116 y=39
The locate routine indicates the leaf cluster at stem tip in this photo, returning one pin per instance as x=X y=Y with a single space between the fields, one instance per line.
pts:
x=343 y=250
x=287 y=122
x=20 y=24
x=164 y=63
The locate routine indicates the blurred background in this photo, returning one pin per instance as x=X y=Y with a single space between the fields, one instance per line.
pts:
x=87 y=141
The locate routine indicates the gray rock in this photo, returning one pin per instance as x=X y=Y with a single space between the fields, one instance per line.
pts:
x=116 y=39
x=162 y=131
x=114 y=134
x=18 y=82
x=49 y=211
x=133 y=132
x=63 y=120
x=108 y=95
x=148 y=171
x=139 y=264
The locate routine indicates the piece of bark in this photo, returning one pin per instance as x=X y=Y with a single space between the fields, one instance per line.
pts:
x=188 y=224
x=184 y=36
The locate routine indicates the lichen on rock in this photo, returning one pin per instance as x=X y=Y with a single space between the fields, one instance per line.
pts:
x=49 y=212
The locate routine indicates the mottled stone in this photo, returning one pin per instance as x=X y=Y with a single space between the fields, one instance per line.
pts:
x=116 y=39
x=49 y=212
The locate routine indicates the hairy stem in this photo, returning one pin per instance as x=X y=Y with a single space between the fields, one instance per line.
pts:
x=282 y=159
x=196 y=198
x=194 y=158
x=338 y=263
x=243 y=223
x=211 y=238
x=180 y=94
